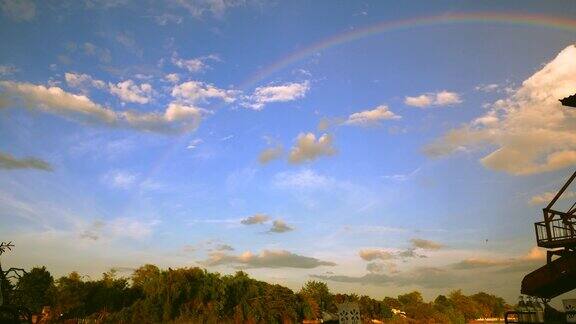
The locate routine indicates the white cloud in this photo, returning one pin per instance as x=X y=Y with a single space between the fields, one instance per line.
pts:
x=128 y=91
x=10 y=162
x=57 y=101
x=128 y=41
x=378 y=267
x=402 y=177
x=425 y=244
x=102 y=54
x=224 y=247
x=491 y=87
x=307 y=148
x=132 y=228
x=375 y=254
x=117 y=228
x=546 y=197
x=177 y=118
x=270 y=154
x=255 y=219
x=446 y=98
x=305 y=178
x=277 y=93
x=172 y=78
x=105 y=4
x=529 y=131
x=19 y=10
x=370 y=117
x=120 y=179
x=6 y=70
x=215 y=8
x=195 y=142
x=194 y=65
x=83 y=81
x=419 y=101
x=266 y=259
x=372 y=254
x=438 y=99
x=166 y=18
x=279 y=226
x=196 y=91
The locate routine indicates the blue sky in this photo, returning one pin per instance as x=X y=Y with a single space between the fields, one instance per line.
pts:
x=168 y=133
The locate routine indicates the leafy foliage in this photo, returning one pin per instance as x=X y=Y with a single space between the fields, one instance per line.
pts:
x=194 y=295
x=37 y=289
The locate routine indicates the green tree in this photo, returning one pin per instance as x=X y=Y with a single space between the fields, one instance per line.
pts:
x=37 y=289
x=392 y=302
x=466 y=305
x=493 y=306
x=145 y=277
x=411 y=299
x=318 y=291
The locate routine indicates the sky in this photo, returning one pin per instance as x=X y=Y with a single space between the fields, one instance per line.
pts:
x=379 y=146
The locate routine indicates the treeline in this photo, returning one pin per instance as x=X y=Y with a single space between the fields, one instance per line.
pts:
x=194 y=295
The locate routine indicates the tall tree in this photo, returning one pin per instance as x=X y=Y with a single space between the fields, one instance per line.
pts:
x=319 y=292
x=37 y=289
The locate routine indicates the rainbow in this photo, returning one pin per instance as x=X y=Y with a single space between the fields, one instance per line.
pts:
x=513 y=19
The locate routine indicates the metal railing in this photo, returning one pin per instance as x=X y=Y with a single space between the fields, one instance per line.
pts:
x=554 y=231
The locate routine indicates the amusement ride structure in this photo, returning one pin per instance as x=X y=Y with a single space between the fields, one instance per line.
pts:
x=557 y=234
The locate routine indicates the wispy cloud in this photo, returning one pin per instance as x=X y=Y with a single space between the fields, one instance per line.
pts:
x=194 y=65
x=276 y=93
x=215 y=8
x=18 y=10
x=120 y=179
x=426 y=277
x=10 y=162
x=194 y=143
x=521 y=263
x=425 y=244
x=118 y=228
x=302 y=179
x=546 y=197
x=7 y=70
x=271 y=153
x=402 y=177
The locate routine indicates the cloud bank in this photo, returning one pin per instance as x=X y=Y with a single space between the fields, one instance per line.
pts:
x=177 y=118
x=529 y=131
x=266 y=259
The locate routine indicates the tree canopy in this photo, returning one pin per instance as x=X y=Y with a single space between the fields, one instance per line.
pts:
x=154 y=295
